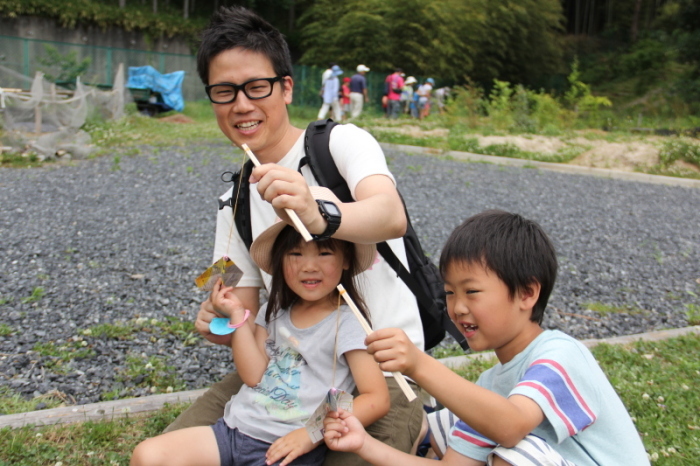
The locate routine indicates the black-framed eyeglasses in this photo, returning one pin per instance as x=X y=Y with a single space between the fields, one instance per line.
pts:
x=225 y=93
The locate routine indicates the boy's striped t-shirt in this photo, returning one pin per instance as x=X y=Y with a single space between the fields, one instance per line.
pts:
x=585 y=421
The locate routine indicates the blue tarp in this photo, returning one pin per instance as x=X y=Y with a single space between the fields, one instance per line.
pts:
x=168 y=85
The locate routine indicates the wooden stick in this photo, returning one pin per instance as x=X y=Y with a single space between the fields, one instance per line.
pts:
x=410 y=394
x=292 y=215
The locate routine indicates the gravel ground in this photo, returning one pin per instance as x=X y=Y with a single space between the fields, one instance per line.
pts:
x=99 y=257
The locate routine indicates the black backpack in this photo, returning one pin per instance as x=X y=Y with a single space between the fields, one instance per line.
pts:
x=422 y=276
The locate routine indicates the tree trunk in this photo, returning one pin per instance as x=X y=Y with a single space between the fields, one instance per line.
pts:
x=155 y=7
x=186 y=9
x=122 y=3
x=577 y=20
x=292 y=15
x=634 y=30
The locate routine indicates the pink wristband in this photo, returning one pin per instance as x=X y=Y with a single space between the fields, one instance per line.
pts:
x=239 y=325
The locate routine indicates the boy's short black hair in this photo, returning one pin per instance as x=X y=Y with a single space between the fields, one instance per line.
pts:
x=231 y=27
x=515 y=248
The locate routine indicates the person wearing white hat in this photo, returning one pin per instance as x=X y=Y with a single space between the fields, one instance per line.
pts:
x=358 y=91
x=407 y=93
x=329 y=92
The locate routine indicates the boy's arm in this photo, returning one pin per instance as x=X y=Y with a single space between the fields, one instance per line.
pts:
x=506 y=421
x=377 y=215
x=344 y=432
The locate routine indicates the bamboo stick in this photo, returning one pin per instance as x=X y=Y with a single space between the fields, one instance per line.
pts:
x=292 y=215
x=410 y=394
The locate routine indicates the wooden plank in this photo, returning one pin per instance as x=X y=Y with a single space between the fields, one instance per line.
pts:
x=97 y=411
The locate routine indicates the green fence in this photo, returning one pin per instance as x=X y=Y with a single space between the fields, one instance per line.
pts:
x=24 y=56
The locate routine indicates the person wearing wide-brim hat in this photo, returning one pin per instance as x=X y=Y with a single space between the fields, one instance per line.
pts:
x=329 y=92
x=407 y=93
x=261 y=249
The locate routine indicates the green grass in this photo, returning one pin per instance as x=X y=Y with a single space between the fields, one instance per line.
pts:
x=655 y=380
x=126 y=138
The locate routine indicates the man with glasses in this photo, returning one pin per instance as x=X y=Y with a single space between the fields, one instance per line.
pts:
x=246 y=68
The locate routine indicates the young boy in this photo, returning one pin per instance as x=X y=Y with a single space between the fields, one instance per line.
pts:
x=546 y=402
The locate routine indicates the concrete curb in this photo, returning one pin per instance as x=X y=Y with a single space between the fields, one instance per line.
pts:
x=114 y=409
x=459 y=361
x=559 y=167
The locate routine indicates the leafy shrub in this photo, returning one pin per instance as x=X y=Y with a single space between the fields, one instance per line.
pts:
x=64 y=68
x=679 y=149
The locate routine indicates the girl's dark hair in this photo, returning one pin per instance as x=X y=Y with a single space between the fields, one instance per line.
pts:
x=515 y=248
x=282 y=297
x=231 y=27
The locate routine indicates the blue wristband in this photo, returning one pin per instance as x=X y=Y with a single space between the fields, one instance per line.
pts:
x=220 y=326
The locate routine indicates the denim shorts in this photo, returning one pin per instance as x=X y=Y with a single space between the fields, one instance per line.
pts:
x=238 y=449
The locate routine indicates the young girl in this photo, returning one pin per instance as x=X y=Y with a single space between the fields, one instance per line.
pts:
x=302 y=343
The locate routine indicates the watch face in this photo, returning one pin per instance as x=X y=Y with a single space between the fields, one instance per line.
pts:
x=331 y=209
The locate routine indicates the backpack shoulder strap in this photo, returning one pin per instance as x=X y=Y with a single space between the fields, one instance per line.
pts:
x=242 y=218
x=320 y=161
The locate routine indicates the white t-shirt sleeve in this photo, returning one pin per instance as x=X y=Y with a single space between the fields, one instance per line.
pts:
x=357 y=155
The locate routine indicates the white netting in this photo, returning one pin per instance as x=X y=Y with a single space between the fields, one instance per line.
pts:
x=47 y=119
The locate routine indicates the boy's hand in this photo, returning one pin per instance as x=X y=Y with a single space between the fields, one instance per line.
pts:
x=343 y=431
x=393 y=350
x=289 y=447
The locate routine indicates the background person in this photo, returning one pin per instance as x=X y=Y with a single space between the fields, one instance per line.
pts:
x=394 y=83
x=358 y=91
x=424 y=93
x=407 y=94
x=330 y=93
x=345 y=97
x=240 y=47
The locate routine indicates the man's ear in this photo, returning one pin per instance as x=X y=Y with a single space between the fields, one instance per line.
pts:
x=288 y=89
x=529 y=295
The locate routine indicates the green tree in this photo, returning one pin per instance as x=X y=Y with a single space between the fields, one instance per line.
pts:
x=63 y=68
x=515 y=40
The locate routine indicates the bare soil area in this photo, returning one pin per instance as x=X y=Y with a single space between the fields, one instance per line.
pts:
x=634 y=154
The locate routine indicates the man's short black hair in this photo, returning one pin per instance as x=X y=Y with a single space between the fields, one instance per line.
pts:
x=232 y=27
x=516 y=249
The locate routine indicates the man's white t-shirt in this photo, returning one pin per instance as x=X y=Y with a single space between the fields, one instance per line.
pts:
x=357 y=155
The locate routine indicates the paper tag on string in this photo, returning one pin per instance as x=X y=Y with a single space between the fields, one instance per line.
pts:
x=334 y=399
x=224 y=268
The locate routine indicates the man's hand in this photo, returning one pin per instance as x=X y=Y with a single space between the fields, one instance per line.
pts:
x=393 y=350
x=286 y=189
x=343 y=431
x=204 y=316
x=289 y=447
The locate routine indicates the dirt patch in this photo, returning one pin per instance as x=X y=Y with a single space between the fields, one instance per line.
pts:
x=177 y=118
x=619 y=156
x=540 y=144
x=415 y=131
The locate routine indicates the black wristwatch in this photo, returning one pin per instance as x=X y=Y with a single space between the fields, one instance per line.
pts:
x=331 y=213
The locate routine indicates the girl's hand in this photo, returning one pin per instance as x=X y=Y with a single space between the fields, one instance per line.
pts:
x=225 y=302
x=343 y=431
x=201 y=324
x=289 y=447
